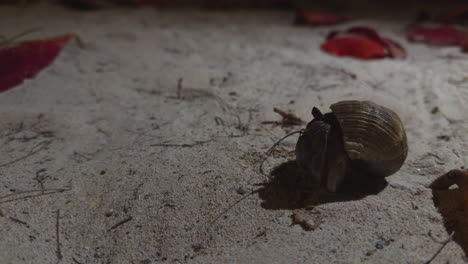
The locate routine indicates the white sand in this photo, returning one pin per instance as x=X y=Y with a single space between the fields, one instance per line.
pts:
x=103 y=106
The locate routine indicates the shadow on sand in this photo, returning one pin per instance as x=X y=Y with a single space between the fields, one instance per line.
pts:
x=288 y=188
x=449 y=204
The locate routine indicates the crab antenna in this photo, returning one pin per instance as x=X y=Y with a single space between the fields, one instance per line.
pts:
x=267 y=153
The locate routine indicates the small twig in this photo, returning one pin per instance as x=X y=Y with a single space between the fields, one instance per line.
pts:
x=30 y=191
x=41 y=193
x=441 y=247
x=343 y=71
x=433 y=238
x=136 y=191
x=76 y=261
x=31 y=152
x=232 y=205
x=128 y=219
x=81 y=155
x=40 y=179
x=181 y=145
x=18 y=221
x=434 y=155
x=102 y=131
x=57 y=229
x=179 y=88
x=261 y=234
x=289 y=119
x=219 y=121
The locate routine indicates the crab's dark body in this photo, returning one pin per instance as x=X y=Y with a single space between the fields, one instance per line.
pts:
x=320 y=151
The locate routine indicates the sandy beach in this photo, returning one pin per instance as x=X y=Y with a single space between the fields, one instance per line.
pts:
x=144 y=166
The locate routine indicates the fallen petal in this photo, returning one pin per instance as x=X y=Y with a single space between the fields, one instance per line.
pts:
x=319 y=18
x=22 y=60
x=395 y=50
x=355 y=46
x=362 y=42
x=438 y=36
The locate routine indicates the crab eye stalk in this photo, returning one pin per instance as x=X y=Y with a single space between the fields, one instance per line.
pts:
x=317 y=114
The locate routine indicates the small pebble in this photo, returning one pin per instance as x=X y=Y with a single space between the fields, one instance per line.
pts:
x=109 y=213
x=241 y=191
x=443 y=137
x=380 y=244
x=198 y=247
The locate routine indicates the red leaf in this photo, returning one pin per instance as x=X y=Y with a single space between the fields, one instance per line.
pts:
x=363 y=43
x=360 y=47
x=457 y=14
x=438 y=36
x=22 y=60
x=319 y=18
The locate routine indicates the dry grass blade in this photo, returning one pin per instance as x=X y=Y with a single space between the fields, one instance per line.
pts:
x=232 y=205
x=440 y=249
x=289 y=119
x=181 y=145
x=39 y=193
x=9 y=40
x=128 y=219
x=59 y=252
x=33 y=151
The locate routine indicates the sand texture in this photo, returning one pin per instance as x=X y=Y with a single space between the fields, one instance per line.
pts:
x=147 y=167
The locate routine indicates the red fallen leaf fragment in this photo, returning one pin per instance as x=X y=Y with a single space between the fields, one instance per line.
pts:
x=458 y=14
x=22 y=60
x=363 y=43
x=319 y=18
x=360 y=47
x=437 y=36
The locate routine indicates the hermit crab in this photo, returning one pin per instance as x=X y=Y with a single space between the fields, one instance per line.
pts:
x=355 y=138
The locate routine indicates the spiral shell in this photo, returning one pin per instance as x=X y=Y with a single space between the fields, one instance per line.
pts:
x=372 y=134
